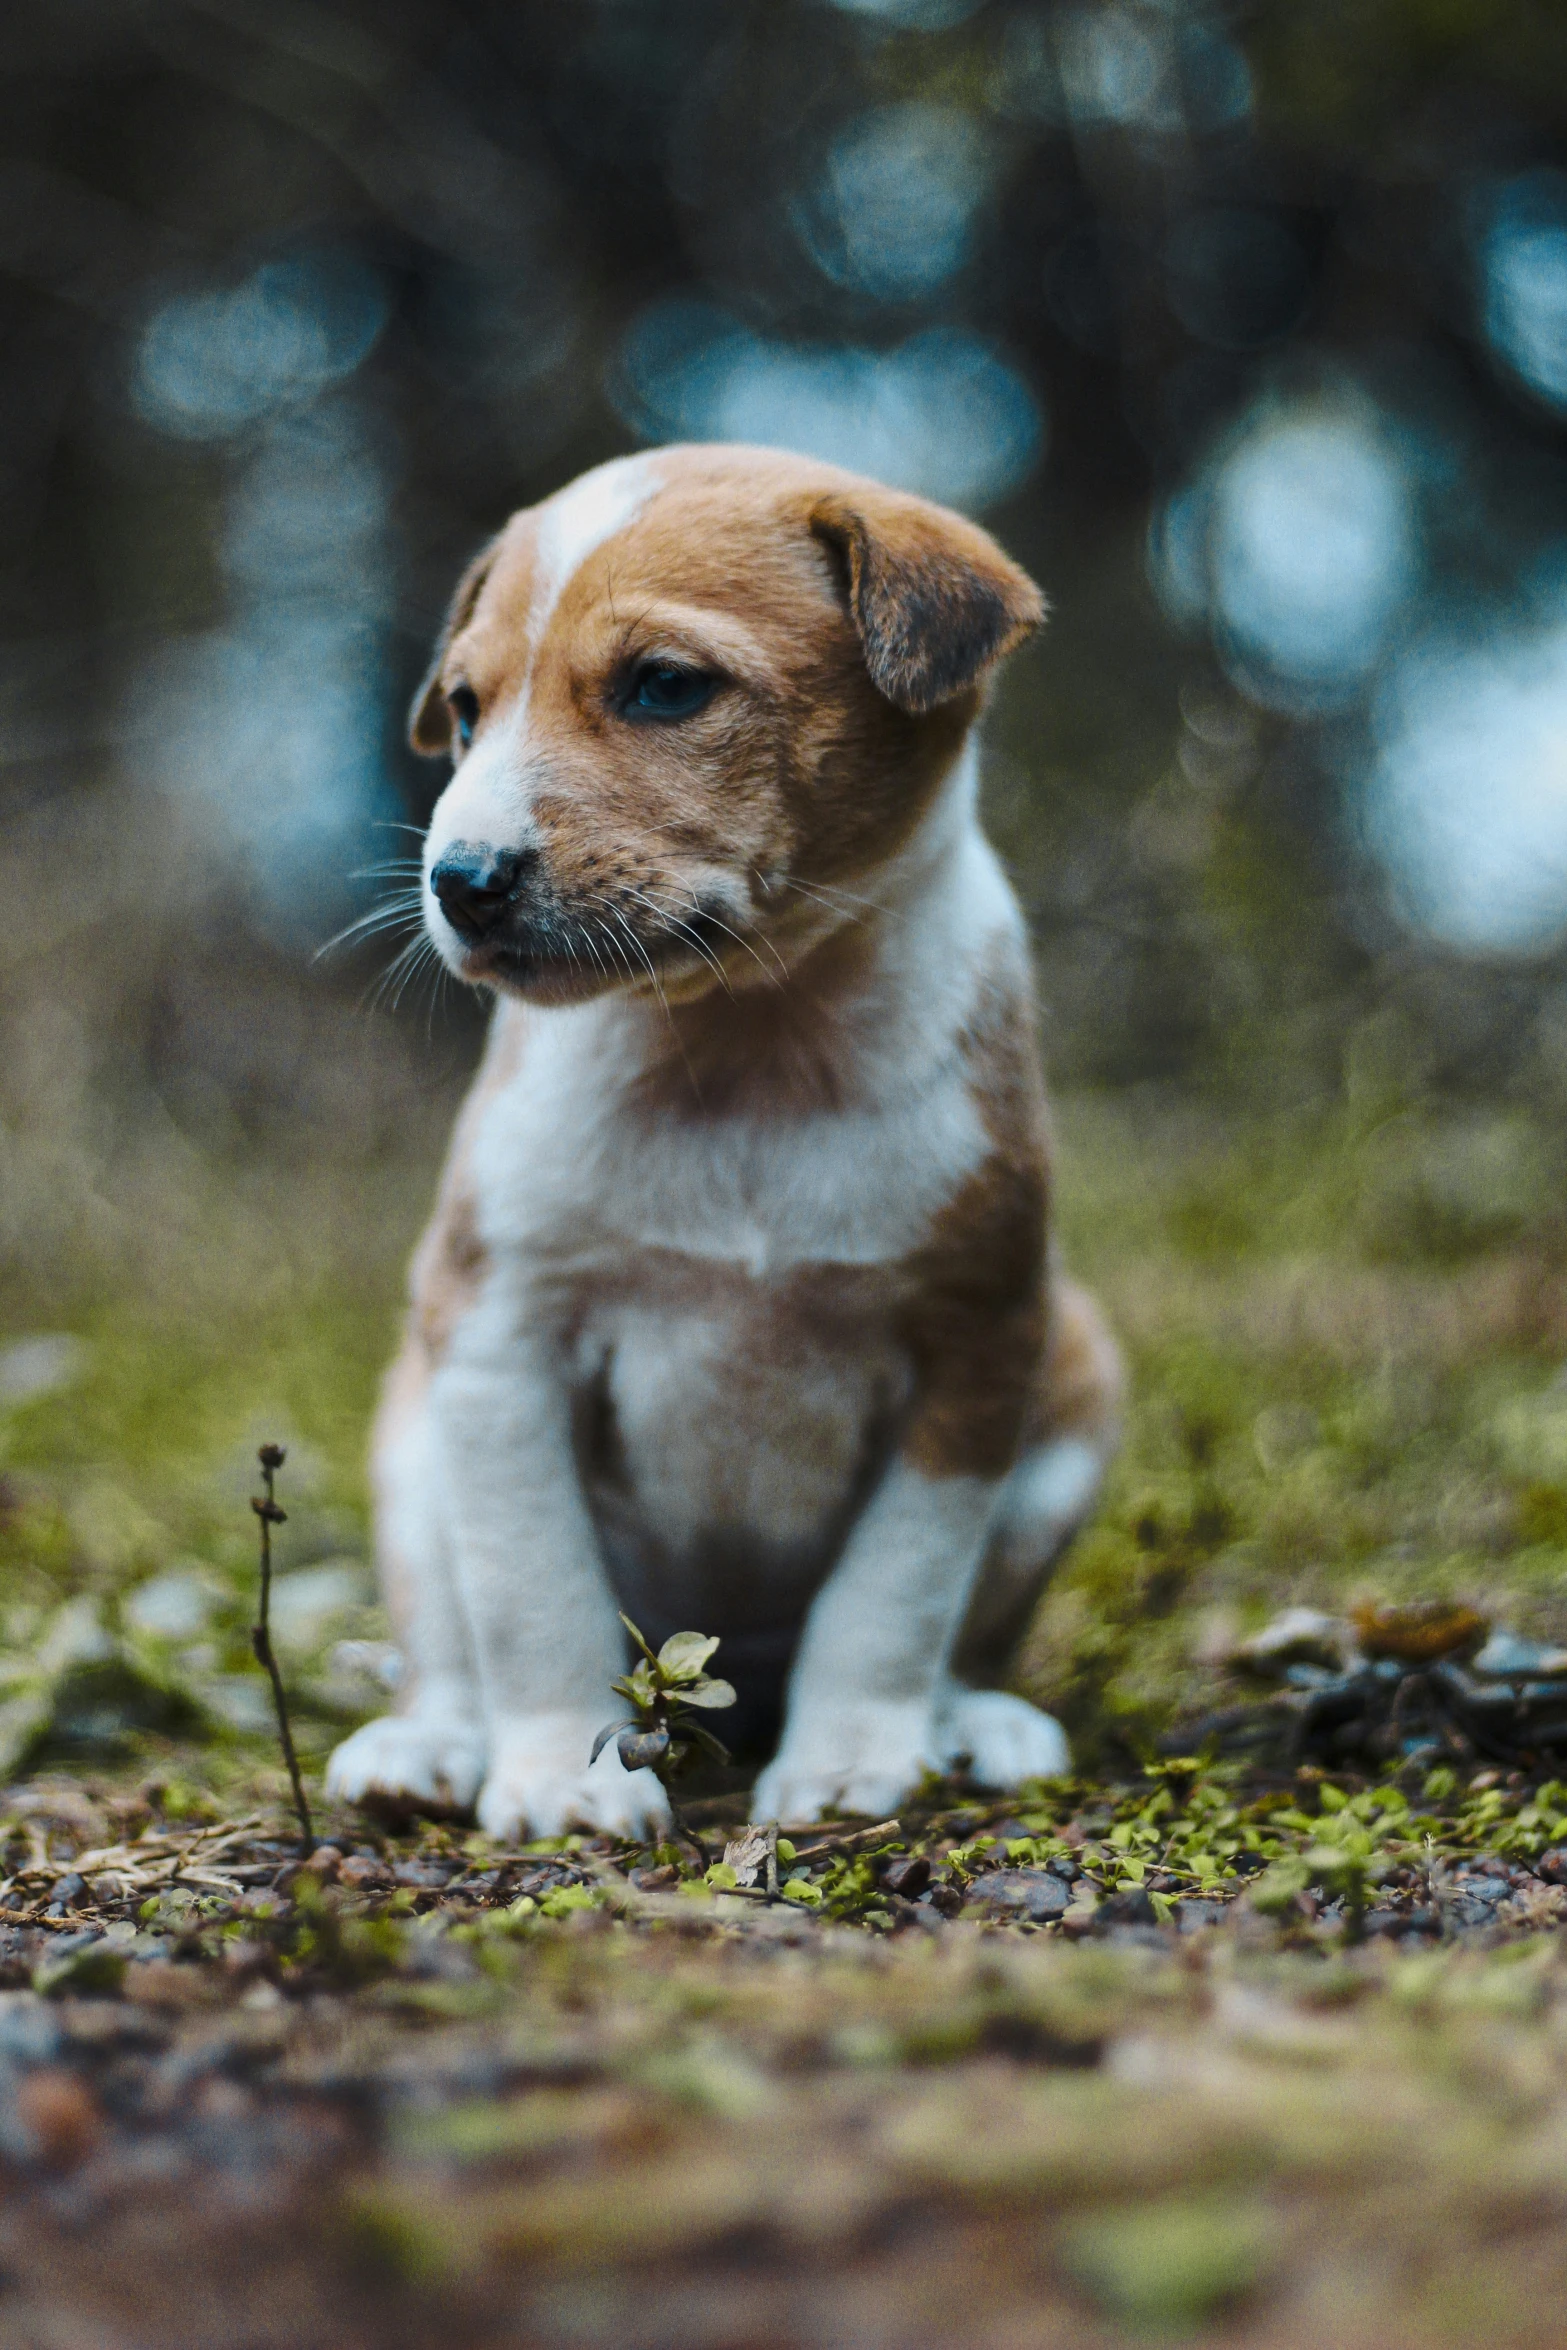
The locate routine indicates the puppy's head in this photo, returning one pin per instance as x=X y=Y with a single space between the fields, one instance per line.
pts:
x=687 y=697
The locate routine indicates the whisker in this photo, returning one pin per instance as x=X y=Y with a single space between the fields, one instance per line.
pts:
x=387 y=916
x=774 y=980
x=826 y=896
x=698 y=946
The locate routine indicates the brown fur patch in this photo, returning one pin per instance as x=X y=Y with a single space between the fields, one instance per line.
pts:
x=935 y=601
x=451 y=1260
x=430 y=721
x=977 y=1321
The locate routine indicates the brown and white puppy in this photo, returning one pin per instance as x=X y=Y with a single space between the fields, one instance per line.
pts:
x=738 y=1309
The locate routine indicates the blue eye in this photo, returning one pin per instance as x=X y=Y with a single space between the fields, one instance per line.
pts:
x=662 y=689
x=463 y=703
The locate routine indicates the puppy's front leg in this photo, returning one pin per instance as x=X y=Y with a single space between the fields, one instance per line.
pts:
x=543 y=1624
x=872 y=1704
x=864 y=1713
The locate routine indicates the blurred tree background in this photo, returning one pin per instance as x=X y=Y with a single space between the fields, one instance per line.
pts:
x=1244 y=326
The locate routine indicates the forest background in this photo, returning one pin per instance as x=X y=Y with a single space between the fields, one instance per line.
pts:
x=1243 y=326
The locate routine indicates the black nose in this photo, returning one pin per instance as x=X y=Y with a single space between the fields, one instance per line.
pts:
x=474 y=885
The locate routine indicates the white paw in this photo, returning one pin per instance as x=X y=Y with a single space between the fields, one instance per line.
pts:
x=1005 y=1739
x=541 y=1783
x=864 y=1758
x=403 y=1762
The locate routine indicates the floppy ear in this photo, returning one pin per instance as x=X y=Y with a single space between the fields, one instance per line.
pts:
x=934 y=599
x=429 y=721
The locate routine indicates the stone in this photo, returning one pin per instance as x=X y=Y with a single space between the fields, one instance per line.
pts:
x=1300 y=1636
x=174 y=1606
x=1193 y=1914
x=1131 y=1908
x=362 y=1874
x=1507 y=1657
x=305 y=1601
x=242 y=1700
x=1033 y=1894
x=31 y=1368
x=908 y=1875
x=59 y=2117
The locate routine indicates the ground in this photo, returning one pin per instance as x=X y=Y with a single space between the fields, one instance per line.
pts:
x=1262 y=2051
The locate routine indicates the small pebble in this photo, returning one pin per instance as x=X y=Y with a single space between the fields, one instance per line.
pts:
x=59 y=2117
x=1024 y=1893
x=363 y=1873
x=423 y=1875
x=908 y=1875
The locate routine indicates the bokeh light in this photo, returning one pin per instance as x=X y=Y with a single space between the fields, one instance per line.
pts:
x=920 y=16
x=269 y=730
x=1298 y=545
x=892 y=211
x=943 y=412
x=1466 y=802
x=211 y=363
x=1523 y=260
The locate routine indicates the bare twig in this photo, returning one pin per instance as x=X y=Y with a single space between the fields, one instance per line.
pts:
x=849 y=1841
x=271 y=1457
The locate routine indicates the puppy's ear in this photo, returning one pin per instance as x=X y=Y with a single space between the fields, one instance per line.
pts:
x=934 y=599
x=430 y=721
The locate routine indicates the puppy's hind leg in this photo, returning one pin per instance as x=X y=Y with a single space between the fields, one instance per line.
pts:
x=430 y=1755
x=1050 y=1493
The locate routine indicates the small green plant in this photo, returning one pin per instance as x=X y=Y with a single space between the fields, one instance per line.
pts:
x=272 y=1457
x=657 y=1736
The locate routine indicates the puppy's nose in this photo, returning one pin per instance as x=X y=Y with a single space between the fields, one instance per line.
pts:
x=474 y=885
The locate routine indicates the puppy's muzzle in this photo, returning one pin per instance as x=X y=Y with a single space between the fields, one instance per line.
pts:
x=474 y=886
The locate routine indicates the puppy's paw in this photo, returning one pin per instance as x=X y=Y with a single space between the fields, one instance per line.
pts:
x=863 y=1758
x=1005 y=1739
x=541 y=1783
x=404 y=1764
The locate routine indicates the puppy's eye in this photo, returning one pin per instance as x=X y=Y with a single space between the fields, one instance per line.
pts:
x=463 y=703
x=662 y=689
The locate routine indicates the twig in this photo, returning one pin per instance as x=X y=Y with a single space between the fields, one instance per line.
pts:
x=851 y=1837
x=271 y=1457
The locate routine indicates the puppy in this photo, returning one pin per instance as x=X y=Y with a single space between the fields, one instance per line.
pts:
x=738 y=1309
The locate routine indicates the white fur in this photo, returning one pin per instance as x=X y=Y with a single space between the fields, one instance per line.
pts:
x=1049 y=1493
x=490 y=798
x=863 y=1696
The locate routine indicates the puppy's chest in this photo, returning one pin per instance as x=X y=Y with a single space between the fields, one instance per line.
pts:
x=707 y=1400
x=573 y=1183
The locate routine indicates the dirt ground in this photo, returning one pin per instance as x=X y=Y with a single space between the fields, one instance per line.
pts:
x=1084 y=2080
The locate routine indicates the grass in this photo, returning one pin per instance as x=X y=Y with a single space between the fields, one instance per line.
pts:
x=1345 y=1326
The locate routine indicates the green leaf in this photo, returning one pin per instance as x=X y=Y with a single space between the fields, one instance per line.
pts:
x=566 y=1898
x=1274 y=1891
x=684 y=1654
x=801 y=1889
x=721 y=1877
x=606 y=1734
x=706 y=1692
x=640 y=1687
x=710 y=1745
x=637 y=1637
x=96 y=1972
